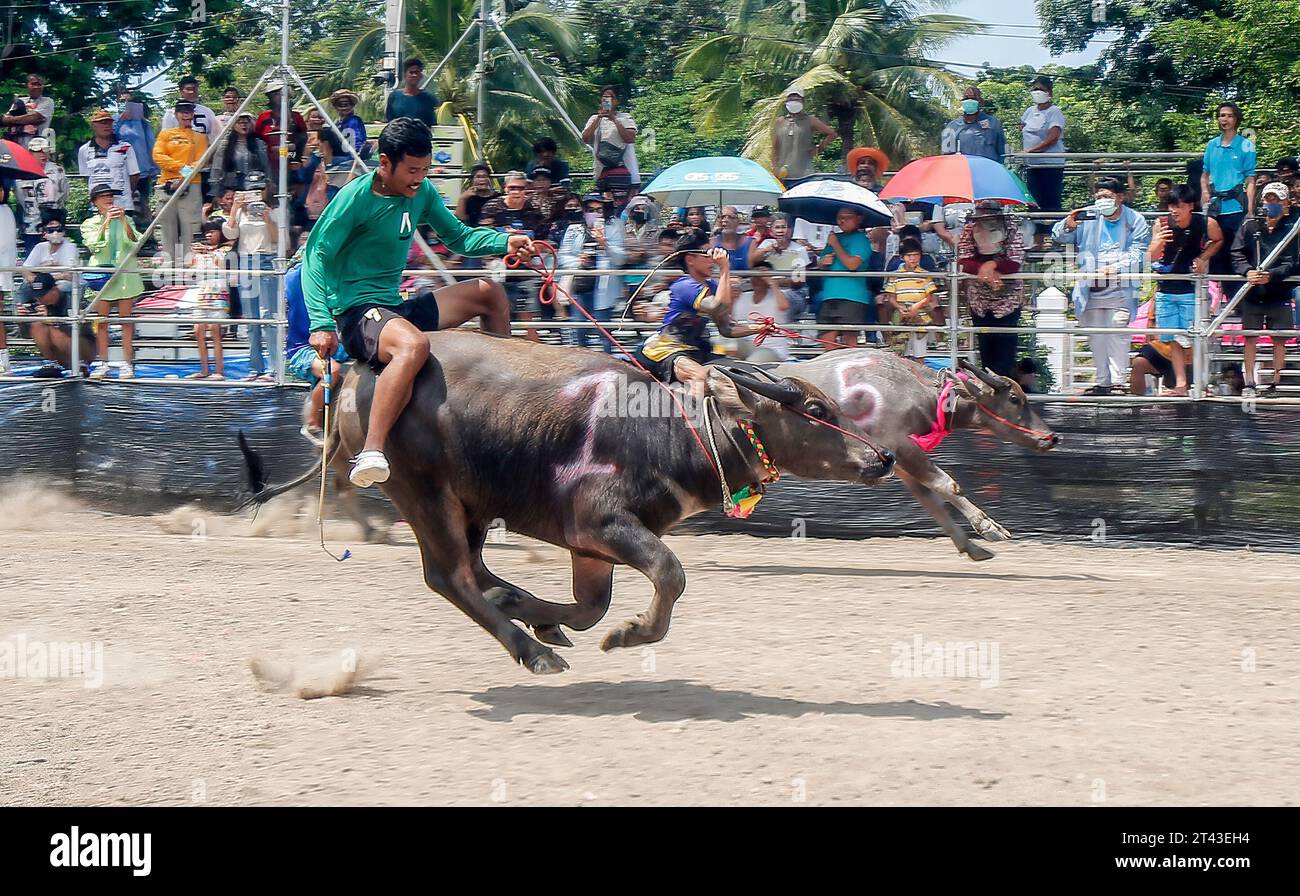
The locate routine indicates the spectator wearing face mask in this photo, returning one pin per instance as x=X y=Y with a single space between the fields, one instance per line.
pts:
x=640 y=235
x=990 y=246
x=54 y=250
x=1269 y=305
x=1042 y=130
x=792 y=139
x=974 y=133
x=1111 y=239
x=594 y=244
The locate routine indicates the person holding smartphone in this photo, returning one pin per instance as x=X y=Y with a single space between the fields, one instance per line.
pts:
x=611 y=134
x=252 y=222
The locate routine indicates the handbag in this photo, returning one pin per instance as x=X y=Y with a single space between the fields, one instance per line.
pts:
x=609 y=155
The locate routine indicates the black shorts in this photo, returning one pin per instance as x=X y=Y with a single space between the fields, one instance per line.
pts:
x=842 y=311
x=1163 y=366
x=359 y=327
x=663 y=370
x=1270 y=316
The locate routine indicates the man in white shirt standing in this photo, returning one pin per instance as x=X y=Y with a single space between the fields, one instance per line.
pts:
x=611 y=133
x=38 y=115
x=205 y=120
x=104 y=159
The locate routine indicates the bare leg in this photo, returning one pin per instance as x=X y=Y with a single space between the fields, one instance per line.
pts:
x=1248 y=359
x=474 y=298
x=403 y=350
x=692 y=373
x=1137 y=376
x=217 y=360
x=101 y=332
x=59 y=346
x=1180 y=370
x=1279 y=358
x=201 y=336
x=128 y=330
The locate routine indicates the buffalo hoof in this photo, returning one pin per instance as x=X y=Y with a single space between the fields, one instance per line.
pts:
x=992 y=531
x=551 y=634
x=545 y=662
x=977 y=553
x=627 y=634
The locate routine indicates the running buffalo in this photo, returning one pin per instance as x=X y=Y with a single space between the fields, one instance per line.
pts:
x=909 y=408
x=539 y=437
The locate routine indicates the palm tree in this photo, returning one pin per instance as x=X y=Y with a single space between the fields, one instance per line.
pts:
x=516 y=112
x=865 y=61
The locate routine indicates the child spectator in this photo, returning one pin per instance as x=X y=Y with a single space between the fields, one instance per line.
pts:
x=213 y=291
x=911 y=300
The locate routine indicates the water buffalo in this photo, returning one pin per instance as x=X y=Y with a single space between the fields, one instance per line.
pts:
x=552 y=442
x=897 y=402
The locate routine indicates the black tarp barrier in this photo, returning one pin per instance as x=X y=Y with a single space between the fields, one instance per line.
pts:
x=1207 y=473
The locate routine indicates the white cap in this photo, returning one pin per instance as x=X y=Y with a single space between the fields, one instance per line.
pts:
x=1276 y=188
x=38 y=144
x=273 y=86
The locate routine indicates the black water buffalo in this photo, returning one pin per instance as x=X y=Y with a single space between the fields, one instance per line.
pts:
x=561 y=445
x=893 y=399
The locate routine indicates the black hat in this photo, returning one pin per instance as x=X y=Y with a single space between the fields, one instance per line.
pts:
x=102 y=189
x=760 y=211
x=541 y=171
x=183 y=106
x=42 y=283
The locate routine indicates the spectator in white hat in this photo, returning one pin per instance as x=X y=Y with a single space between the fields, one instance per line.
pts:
x=1270 y=303
x=44 y=199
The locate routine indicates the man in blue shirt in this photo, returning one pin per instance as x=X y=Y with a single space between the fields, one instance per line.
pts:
x=975 y=133
x=1226 y=192
x=304 y=362
x=847 y=301
x=411 y=101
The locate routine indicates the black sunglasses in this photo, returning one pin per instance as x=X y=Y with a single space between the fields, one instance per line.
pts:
x=55 y=230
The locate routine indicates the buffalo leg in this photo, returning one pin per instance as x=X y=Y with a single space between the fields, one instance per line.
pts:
x=939 y=510
x=593 y=586
x=440 y=529
x=947 y=488
x=508 y=597
x=631 y=543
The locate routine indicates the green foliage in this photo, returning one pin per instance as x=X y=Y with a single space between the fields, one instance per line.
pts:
x=665 y=113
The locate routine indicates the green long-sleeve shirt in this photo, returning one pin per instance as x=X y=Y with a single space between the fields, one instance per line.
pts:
x=358 y=248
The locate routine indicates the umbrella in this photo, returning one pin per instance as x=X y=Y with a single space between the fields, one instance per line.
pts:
x=956 y=178
x=716 y=180
x=16 y=162
x=819 y=201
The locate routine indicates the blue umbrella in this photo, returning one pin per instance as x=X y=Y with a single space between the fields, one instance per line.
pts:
x=715 y=180
x=820 y=201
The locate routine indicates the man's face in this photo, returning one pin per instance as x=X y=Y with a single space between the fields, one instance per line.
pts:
x=541 y=187
x=1227 y=118
x=315 y=121
x=848 y=220
x=35 y=87
x=184 y=118
x=403 y=177
x=762 y=222
x=608 y=98
x=482 y=182
x=345 y=106
x=516 y=193
x=546 y=155
x=971 y=93
x=912 y=259
x=231 y=100
x=413 y=76
x=729 y=220
x=1109 y=194
x=1181 y=212
x=1285 y=203
x=103 y=127
x=781 y=231
x=273 y=101
x=1162 y=193
x=190 y=92
x=867 y=169
x=666 y=247
x=1285 y=173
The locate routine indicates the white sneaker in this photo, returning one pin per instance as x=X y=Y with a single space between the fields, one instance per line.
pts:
x=369 y=468
x=126 y=372
x=312 y=437
x=98 y=370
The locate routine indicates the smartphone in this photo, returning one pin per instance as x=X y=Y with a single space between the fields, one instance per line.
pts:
x=256 y=209
x=606 y=104
x=1087 y=214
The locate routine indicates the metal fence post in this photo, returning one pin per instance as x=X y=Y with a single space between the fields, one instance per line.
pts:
x=75 y=312
x=1200 y=348
x=954 y=316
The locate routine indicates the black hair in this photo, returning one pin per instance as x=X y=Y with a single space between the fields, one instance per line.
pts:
x=214 y=224
x=233 y=89
x=1236 y=110
x=256 y=148
x=1183 y=194
x=909 y=245
x=1288 y=162
x=703 y=213
x=1114 y=184
x=909 y=231
x=327 y=135
x=544 y=144
x=187 y=80
x=1042 y=81
x=1027 y=365
x=404 y=137
x=609 y=88
x=1165 y=180
x=691 y=239
x=413 y=61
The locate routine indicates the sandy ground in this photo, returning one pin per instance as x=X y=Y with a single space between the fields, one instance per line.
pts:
x=1111 y=676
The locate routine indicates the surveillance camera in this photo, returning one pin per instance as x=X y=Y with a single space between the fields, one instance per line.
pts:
x=384 y=79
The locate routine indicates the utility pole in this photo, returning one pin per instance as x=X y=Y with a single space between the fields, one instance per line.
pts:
x=394 y=20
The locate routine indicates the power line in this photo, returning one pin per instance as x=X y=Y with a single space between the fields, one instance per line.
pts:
x=47 y=53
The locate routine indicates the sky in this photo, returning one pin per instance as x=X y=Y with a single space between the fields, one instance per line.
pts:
x=1012 y=39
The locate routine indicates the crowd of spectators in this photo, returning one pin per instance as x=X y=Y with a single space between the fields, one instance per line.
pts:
x=219 y=213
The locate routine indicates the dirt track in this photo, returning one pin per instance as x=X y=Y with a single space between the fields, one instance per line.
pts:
x=778 y=684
